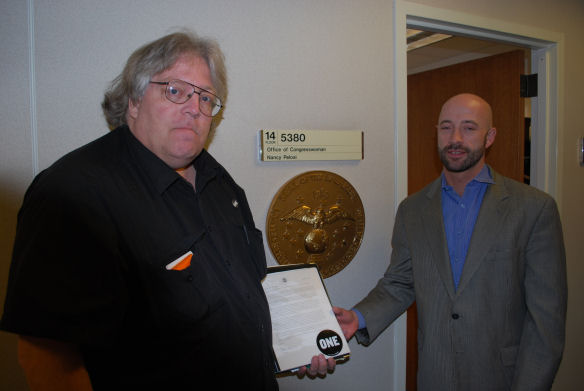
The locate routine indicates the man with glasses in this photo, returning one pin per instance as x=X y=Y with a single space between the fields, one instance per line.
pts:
x=137 y=264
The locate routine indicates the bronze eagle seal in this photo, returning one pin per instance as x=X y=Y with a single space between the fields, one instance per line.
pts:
x=316 y=217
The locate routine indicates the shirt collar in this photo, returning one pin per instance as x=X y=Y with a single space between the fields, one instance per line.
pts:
x=484 y=176
x=207 y=169
x=158 y=173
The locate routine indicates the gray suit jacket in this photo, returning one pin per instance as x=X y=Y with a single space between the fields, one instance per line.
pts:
x=503 y=328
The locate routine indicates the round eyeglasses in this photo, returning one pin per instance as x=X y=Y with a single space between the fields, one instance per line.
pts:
x=179 y=91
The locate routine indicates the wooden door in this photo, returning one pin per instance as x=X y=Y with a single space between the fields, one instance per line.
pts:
x=497 y=80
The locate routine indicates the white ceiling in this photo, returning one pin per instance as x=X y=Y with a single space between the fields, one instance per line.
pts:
x=449 y=50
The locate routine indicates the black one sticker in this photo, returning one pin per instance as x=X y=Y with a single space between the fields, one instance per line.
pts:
x=329 y=342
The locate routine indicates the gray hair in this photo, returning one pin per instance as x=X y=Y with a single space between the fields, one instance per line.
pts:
x=156 y=57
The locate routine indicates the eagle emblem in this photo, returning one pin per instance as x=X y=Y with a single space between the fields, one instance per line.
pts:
x=316 y=240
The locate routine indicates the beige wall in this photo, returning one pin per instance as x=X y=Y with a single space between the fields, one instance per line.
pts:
x=283 y=57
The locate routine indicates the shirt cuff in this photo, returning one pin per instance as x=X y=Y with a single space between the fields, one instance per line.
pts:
x=362 y=324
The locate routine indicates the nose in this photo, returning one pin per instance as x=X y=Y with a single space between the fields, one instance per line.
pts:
x=191 y=106
x=456 y=135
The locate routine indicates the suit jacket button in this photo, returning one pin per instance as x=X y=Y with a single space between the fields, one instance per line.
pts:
x=455 y=316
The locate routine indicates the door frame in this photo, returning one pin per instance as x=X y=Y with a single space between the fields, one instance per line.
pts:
x=546 y=60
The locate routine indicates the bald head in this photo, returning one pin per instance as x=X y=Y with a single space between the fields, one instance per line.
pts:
x=470 y=105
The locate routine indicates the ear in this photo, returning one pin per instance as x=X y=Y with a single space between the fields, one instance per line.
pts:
x=133 y=108
x=491 y=133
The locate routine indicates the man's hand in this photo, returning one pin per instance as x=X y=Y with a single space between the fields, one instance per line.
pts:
x=319 y=365
x=347 y=320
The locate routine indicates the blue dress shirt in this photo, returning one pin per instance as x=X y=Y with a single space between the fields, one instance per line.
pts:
x=460 y=215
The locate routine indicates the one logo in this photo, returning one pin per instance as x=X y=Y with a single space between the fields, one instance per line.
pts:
x=329 y=342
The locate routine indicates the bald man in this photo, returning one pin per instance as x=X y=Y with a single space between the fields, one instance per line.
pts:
x=483 y=257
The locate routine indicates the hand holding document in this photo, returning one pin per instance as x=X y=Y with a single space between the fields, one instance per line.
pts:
x=303 y=322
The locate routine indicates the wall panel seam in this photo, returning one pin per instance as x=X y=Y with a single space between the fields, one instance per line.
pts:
x=32 y=88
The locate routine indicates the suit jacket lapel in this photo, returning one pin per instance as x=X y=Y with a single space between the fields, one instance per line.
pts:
x=433 y=224
x=492 y=214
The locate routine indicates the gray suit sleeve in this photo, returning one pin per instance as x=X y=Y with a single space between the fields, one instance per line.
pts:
x=394 y=293
x=542 y=340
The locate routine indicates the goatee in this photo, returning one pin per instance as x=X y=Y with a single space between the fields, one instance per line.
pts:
x=472 y=157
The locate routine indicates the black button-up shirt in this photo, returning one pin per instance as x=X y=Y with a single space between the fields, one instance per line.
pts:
x=94 y=236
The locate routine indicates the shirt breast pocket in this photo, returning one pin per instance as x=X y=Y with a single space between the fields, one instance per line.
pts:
x=246 y=242
x=255 y=243
x=185 y=296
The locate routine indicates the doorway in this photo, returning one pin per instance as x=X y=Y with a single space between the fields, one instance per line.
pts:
x=495 y=78
x=546 y=59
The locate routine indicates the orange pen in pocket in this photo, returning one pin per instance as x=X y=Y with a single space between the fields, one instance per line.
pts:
x=181 y=262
